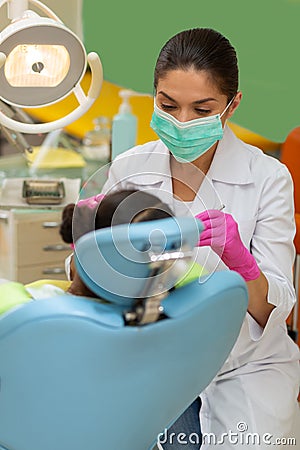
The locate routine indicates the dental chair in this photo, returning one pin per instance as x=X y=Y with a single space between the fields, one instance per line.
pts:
x=82 y=374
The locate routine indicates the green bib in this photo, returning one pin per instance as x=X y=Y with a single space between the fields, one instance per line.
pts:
x=12 y=294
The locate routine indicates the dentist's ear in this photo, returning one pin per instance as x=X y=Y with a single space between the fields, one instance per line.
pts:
x=234 y=105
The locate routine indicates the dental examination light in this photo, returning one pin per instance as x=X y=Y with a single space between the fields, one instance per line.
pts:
x=42 y=62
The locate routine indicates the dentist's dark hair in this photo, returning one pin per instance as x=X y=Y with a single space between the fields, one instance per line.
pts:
x=201 y=49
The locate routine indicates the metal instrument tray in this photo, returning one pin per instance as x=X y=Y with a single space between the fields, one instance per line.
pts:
x=43 y=192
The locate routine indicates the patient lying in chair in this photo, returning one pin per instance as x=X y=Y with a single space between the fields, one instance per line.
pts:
x=120 y=207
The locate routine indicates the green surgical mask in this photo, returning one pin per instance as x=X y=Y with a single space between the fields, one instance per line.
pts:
x=187 y=140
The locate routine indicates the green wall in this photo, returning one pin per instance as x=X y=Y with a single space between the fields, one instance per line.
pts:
x=266 y=34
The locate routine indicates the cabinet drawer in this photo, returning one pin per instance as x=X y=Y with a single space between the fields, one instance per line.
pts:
x=38 y=231
x=41 y=253
x=48 y=271
x=30 y=245
x=39 y=241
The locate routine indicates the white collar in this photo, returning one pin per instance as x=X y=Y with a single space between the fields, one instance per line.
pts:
x=231 y=161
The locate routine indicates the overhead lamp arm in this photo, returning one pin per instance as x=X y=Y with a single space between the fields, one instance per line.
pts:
x=16 y=8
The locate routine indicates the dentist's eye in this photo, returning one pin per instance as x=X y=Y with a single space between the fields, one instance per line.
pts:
x=202 y=111
x=165 y=107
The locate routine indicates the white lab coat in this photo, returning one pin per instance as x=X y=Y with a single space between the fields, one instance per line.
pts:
x=258 y=383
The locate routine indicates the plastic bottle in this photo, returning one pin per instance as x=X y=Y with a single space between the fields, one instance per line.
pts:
x=124 y=125
x=97 y=142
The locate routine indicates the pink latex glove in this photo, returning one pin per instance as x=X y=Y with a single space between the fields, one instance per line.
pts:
x=91 y=202
x=222 y=235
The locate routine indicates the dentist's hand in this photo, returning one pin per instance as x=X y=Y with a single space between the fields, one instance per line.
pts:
x=91 y=202
x=222 y=235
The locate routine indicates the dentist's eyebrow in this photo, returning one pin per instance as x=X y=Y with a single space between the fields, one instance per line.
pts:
x=167 y=96
x=197 y=102
x=209 y=99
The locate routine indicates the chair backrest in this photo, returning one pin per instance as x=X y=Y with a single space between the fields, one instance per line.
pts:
x=290 y=151
x=74 y=376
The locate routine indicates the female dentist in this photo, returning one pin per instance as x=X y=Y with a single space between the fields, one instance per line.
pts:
x=245 y=200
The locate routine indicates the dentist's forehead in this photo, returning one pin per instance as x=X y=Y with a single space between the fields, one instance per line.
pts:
x=189 y=86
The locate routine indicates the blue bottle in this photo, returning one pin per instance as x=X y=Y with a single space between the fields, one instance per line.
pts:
x=124 y=126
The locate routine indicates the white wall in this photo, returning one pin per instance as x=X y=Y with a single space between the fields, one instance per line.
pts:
x=69 y=11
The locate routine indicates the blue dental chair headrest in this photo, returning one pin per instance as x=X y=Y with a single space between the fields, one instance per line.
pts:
x=115 y=262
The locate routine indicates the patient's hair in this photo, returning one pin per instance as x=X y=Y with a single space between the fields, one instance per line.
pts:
x=119 y=207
